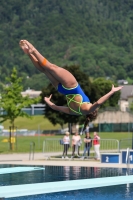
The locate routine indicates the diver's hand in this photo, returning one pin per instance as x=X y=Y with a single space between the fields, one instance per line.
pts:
x=115 y=89
x=47 y=99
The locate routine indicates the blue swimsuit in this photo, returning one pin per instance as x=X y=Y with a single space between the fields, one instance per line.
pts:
x=73 y=92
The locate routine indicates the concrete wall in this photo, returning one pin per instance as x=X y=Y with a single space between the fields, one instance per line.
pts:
x=114 y=117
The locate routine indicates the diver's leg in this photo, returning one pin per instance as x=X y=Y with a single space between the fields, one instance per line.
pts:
x=40 y=68
x=62 y=75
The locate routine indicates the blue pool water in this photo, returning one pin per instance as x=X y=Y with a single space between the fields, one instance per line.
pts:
x=52 y=174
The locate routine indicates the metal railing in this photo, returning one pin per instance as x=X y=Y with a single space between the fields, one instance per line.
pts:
x=128 y=158
x=32 y=150
x=52 y=146
x=128 y=162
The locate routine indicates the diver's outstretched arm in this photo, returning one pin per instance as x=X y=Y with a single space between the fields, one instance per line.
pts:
x=55 y=107
x=104 y=98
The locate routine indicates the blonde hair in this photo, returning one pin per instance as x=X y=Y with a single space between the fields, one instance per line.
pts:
x=67 y=133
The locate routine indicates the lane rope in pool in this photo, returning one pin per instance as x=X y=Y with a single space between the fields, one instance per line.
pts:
x=18 y=169
x=61 y=186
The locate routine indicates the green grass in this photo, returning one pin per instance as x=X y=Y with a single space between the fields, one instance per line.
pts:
x=23 y=142
x=115 y=135
x=33 y=123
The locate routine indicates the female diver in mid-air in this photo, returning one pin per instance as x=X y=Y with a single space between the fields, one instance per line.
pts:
x=78 y=103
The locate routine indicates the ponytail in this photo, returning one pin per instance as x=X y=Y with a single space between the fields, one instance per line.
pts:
x=87 y=120
x=90 y=117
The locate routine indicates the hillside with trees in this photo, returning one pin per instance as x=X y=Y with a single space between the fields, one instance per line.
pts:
x=97 y=35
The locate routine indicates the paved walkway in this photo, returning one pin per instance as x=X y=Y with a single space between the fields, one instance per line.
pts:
x=41 y=159
x=20 y=156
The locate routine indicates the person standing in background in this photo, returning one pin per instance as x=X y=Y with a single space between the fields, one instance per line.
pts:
x=76 y=142
x=96 y=144
x=88 y=144
x=66 y=141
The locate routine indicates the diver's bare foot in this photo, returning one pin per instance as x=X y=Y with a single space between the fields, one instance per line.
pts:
x=30 y=46
x=24 y=47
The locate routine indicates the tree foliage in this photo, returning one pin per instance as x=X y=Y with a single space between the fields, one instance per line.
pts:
x=97 y=35
x=131 y=107
x=12 y=101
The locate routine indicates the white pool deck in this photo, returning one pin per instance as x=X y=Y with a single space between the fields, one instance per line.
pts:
x=40 y=160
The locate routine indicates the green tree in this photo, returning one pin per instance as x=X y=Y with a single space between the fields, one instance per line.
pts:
x=131 y=107
x=36 y=82
x=12 y=101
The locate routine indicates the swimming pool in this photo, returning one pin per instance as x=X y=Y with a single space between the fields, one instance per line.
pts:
x=53 y=174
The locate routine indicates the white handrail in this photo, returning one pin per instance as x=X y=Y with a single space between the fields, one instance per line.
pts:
x=128 y=157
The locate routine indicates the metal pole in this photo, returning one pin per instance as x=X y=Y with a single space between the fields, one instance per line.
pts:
x=70 y=128
x=128 y=129
x=16 y=140
x=33 y=151
x=132 y=136
x=132 y=139
x=10 y=138
x=38 y=136
x=99 y=128
x=30 y=151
